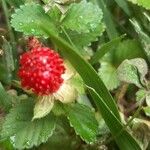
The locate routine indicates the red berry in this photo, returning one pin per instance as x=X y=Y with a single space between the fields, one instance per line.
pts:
x=41 y=70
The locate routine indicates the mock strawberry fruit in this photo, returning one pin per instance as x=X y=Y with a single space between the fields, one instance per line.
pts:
x=41 y=70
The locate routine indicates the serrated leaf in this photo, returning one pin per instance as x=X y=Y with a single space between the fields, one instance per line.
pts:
x=82 y=17
x=108 y=74
x=81 y=40
x=28 y=18
x=144 y=3
x=43 y=106
x=82 y=119
x=132 y=71
x=25 y=133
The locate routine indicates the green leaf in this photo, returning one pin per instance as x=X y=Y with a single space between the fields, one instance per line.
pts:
x=127 y=49
x=15 y=3
x=140 y=94
x=81 y=40
x=8 y=55
x=147 y=111
x=90 y=77
x=148 y=99
x=141 y=130
x=82 y=119
x=43 y=106
x=110 y=25
x=144 y=3
x=105 y=48
x=133 y=71
x=28 y=18
x=144 y=38
x=5 y=98
x=25 y=133
x=124 y=5
x=77 y=82
x=82 y=17
x=123 y=139
x=108 y=74
x=6 y=62
x=88 y=74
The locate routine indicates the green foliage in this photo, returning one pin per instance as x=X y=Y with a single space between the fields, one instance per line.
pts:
x=102 y=97
x=82 y=119
x=6 y=63
x=127 y=49
x=28 y=19
x=5 y=99
x=133 y=71
x=144 y=3
x=76 y=30
x=144 y=38
x=43 y=106
x=105 y=48
x=108 y=74
x=147 y=111
x=84 y=39
x=81 y=17
x=23 y=132
x=123 y=138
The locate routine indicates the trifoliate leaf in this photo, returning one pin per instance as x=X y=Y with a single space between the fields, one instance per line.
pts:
x=23 y=132
x=43 y=106
x=30 y=18
x=144 y=3
x=82 y=119
x=108 y=74
x=133 y=71
x=147 y=110
x=82 y=17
